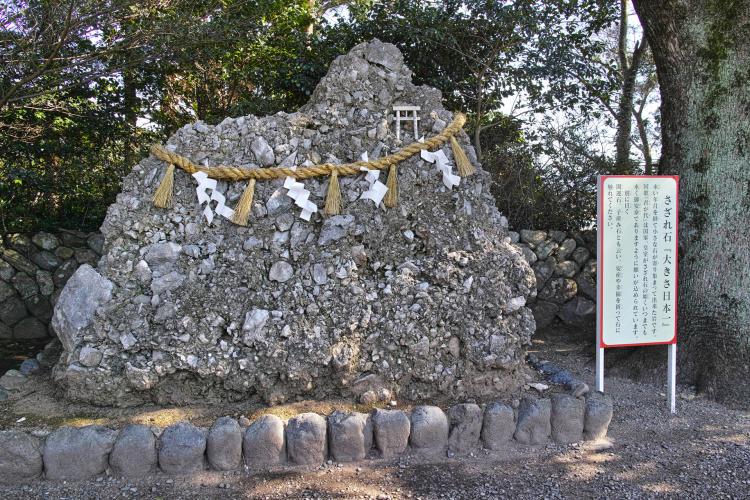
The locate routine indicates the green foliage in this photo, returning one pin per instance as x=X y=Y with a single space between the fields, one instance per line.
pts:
x=80 y=78
x=75 y=76
x=550 y=183
x=70 y=172
x=479 y=54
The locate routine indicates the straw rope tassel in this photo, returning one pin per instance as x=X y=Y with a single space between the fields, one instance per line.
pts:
x=465 y=168
x=391 y=196
x=163 y=195
x=223 y=172
x=333 y=198
x=245 y=205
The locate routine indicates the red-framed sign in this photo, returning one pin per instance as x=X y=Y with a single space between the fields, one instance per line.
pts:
x=637 y=260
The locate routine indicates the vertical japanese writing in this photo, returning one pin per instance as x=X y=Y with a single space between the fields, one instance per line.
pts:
x=645 y=299
x=654 y=258
x=635 y=270
x=618 y=259
x=638 y=217
x=668 y=252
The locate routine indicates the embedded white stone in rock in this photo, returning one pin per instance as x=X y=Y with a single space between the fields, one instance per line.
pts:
x=168 y=282
x=84 y=292
x=127 y=340
x=162 y=255
x=281 y=271
x=89 y=356
x=262 y=151
x=320 y=276
x=140 y=378
x=254 y=327
x=142 y=272
x=515 y=304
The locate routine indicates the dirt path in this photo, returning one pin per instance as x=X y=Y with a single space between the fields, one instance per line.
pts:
x=702 y=452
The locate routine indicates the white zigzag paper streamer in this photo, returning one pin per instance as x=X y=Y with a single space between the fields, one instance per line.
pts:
x=204 y=184
x=443 y=165
x=377 y=189
x=301 y=196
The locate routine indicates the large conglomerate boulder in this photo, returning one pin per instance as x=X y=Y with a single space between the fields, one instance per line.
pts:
x=426 y=299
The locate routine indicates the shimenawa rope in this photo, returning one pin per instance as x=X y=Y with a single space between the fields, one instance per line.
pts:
x=163 y=195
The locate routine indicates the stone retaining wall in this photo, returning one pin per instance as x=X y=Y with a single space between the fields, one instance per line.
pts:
x=33 y=271
x=565 y=269
x=307 y=439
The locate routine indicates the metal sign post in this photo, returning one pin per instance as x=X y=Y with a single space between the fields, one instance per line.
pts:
x=672 y=377
x=636 y=285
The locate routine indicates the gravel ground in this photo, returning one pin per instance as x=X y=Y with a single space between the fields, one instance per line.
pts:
x=702 y=452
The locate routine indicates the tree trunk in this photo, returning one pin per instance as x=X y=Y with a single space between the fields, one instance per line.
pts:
x=479 y=109
x=648 y=167
x=628 y=73
x=702 y=54
x=625 y=106
x=130 y=98
x=130 y=103
x=625 y=114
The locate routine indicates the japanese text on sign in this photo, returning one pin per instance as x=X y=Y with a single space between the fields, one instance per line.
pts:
x=637 y=260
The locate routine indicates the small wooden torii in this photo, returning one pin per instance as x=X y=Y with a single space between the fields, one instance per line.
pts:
x=414 y=118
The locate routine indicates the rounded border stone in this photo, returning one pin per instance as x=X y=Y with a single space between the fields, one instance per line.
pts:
x=20 y=457
x=134 y=452
x=224 y=444
x=466 y=427
x=498 y=425
x=306 y=439
x=182 y=447
x=391 y=430
x=264 y=442
x=533 y=423
x=349 y=435
x=596 y=420
x=567 y=418
x=429 y=431
x=78 y=453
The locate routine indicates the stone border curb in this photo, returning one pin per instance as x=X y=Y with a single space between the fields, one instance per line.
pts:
x=308 y=439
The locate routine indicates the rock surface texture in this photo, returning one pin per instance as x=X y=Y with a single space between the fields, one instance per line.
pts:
x=428 y=296
x=78 y=453
x=33 y=270
x=134 y=453
x=181 y=448
x=263 y=442
x=20 y=457
x=565 y=268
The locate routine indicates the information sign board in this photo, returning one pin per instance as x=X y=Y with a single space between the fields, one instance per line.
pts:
x=637 y=260
x=637 y=219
